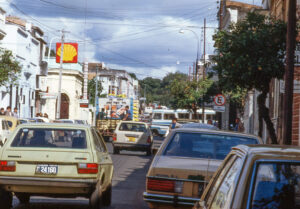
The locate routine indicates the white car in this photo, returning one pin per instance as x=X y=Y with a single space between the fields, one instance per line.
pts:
x=134 y=136
x=4 y=131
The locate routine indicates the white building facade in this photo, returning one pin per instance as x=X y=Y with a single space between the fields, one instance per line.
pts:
x=27 y=45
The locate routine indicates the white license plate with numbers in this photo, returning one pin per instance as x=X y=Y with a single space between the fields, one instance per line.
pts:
x=46 y=169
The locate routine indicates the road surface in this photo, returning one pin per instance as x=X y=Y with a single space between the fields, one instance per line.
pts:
x=128 y=186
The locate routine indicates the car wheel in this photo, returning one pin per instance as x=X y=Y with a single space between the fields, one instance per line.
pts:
x=149 y=151
x=5 y=199
x=95 y=200
x=106 y=197
x=116 y=150
x=23 y=198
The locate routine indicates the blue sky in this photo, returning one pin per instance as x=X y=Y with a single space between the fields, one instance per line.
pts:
x=138 y=36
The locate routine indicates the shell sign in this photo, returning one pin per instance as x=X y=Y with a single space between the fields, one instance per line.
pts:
x=70 y=52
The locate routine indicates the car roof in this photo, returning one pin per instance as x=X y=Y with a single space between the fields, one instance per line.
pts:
x=53 y=125
x=268 y=149
x=232 y=133
x=136 y=122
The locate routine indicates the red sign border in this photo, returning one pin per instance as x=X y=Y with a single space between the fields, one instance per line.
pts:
x=75 y=59
x=217 y=97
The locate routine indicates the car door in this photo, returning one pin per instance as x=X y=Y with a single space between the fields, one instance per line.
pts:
x=103 y=158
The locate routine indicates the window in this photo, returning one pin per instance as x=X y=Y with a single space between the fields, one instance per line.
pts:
x=136 y=127
x=97 y=142
x=50 y=138
x=9 y=123
x=157 y=116
x=168 y=116
x=277 y=186
x=197 y=116
x=183 y=115
x=223 y=197
x=202 y=145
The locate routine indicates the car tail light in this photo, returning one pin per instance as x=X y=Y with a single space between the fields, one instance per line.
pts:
x=149 y=139
x=114 y=137
x=87 y=168
x=7 y=166
x=164 y=185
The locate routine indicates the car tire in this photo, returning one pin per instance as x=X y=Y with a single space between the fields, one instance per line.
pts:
x=106 y=197
x=96 y=200
x=116 y=150
x=149 y=152
x=23 y=198
x=5 y=199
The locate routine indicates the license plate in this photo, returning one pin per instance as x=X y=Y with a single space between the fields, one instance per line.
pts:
x=46 y=169
x=131 y=139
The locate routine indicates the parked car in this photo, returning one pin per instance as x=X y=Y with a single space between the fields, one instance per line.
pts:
x=257 y=177
x=12 y=121
x=56 y=160
x=199 y=125
x=135 y=136
x=4 y=131
x=185 y=163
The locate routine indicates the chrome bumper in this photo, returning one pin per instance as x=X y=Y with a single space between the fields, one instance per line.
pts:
x=50 y=182
x=169 y=199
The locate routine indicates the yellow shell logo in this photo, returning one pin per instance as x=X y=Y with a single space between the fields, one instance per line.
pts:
x=69 y=52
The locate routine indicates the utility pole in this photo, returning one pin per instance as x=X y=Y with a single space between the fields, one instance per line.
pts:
x=96 y=97
x=289 y=73
x=60 y=74
x=204 y=42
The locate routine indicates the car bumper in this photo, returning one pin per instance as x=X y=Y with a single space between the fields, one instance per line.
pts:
x=169 y=199
x=131 y=146
x=39 y=185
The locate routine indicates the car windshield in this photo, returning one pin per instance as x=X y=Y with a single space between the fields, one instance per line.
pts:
x=136 y=127
x=277 y=186
x=50 y=138
x=202 y=145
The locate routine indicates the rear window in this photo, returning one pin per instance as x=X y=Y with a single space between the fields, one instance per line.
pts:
x=132 y=127
x=50 y=138
x=200 y=145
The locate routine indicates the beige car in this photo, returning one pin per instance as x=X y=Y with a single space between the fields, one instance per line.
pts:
x=257 y=177
x=185 y=163
x=56 y=160
x=135 y=136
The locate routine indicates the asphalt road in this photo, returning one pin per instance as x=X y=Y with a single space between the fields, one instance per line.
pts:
x=128 y=186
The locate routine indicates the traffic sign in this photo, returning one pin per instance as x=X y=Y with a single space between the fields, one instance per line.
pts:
x=220 y=100
x=219 y=108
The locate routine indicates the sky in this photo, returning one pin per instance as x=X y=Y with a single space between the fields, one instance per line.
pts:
x=146 y=37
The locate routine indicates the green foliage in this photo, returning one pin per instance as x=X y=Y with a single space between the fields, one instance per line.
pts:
x=9 y=68
x=52 y=52
x=251 y=53
x=159 y=90
x=133 y=75
x=190 y=95
x=92 y=90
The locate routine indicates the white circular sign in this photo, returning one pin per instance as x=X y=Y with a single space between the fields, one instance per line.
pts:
x=219 y=100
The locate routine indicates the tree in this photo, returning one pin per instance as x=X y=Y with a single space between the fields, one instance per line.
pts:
x=92 y=90
x=52 y=52
x=9 y=68
x=249 y=56
x=190 y=95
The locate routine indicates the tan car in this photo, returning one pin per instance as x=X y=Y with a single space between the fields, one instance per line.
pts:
x=134 y=136
x=256 y=177
x=56 y=160
x=185 y=163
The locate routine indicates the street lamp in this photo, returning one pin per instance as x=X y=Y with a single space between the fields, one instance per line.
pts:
x=198 y=46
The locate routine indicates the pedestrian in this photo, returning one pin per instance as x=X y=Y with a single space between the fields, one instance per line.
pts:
x=174 y=124
x=209 y=122
x=2 y=112
x=239 y=126
x=127 y=114
x=15 y=113
x=46 y=115
x=101 y=114
x=8 y=111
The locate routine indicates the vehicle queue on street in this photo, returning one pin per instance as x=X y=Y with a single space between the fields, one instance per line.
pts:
x=196 y=166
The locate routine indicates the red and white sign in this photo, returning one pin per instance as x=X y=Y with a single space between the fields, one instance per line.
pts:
x=220 y=100
x=70 y=52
